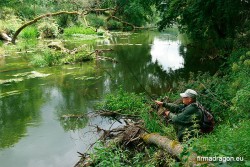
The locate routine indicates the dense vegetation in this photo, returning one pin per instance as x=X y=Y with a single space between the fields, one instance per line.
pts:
x=222 y=26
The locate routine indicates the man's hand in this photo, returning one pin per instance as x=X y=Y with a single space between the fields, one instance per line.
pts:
x=167 y=113
x=159 y=103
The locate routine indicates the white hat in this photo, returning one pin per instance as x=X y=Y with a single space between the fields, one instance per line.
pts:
x=189 y=93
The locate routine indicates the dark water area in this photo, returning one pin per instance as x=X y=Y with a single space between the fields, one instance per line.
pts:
x=35 y=103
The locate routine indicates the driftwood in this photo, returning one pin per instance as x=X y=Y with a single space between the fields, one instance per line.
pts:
x=5 y=36
x=127 y=136
x=108 y=113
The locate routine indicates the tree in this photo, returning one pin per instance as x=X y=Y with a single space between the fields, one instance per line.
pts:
x=210 y=19
x=136 y=12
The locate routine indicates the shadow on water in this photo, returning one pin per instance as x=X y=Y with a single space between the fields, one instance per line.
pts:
x=44 y=121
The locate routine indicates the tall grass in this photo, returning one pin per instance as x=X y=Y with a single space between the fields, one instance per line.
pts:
x=133 y=104
x=29 y=32
x=47 y=58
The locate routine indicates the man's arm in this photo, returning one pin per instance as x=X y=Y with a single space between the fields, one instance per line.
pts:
x=170 y=106
x=184 y=117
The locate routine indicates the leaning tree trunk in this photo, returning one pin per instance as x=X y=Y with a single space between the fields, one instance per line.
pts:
x=172 y=147
x=38 y=18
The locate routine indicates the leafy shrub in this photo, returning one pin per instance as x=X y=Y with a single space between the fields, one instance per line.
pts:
x=239 y=88
x=48 y=29
x=241 y=103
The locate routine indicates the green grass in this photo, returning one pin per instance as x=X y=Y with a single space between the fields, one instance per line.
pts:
x=138 y=105
x=128 y=103
x=115 y=156
x=224 y=141
x=78 y=30
x=29 y=32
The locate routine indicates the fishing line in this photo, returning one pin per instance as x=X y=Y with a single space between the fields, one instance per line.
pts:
x=133 y=74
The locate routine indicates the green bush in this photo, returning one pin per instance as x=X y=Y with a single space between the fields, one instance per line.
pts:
x=48 y=29
x=241 y=105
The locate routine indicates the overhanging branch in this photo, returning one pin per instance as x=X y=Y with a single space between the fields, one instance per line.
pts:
x=39 y=18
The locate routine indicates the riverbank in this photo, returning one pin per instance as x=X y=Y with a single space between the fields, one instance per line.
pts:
x=226 y=93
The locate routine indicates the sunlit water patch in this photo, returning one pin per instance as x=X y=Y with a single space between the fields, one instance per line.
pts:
x=166 y=54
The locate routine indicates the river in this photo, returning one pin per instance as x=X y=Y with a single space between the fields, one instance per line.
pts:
x=35 y=103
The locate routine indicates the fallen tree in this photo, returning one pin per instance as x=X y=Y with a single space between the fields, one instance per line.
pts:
x=135 y=136
x=84 y=13
x=51 y=15
x=172 y=147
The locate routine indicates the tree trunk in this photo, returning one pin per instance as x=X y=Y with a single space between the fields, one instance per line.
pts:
x=172 y=147
x=5 y=37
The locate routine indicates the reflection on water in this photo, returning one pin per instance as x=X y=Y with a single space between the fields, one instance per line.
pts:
x=166 y=54
x=38 y=126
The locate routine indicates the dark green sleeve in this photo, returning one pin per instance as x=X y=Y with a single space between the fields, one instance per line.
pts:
x=171 y=107
x=185 y=117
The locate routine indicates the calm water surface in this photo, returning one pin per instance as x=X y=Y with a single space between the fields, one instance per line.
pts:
x=35 y=103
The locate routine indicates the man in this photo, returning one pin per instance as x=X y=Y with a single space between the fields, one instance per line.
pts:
x=183 y=116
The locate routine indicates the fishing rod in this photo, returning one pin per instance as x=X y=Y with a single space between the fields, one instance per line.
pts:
x=133 y=74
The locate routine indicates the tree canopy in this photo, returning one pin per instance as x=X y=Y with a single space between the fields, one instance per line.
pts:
x=206 y=19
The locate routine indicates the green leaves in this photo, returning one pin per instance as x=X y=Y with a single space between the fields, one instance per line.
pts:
x=204 y=19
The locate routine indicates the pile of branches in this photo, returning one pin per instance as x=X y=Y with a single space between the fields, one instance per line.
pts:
x=128 y=136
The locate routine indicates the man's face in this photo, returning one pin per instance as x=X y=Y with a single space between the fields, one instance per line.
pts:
x=186 y=100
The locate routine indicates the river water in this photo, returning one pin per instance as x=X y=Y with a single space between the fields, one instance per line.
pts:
x=35 y=103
